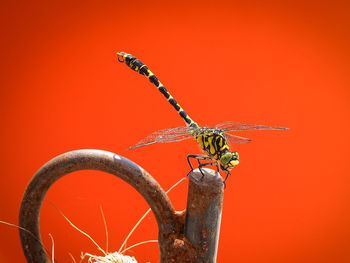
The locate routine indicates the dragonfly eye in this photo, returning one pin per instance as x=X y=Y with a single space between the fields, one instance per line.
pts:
x=226 y=158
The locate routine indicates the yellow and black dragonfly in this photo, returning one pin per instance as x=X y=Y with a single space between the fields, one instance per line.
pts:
x=213 y=141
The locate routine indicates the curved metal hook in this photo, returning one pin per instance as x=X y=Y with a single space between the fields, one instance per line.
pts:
x=170 y=223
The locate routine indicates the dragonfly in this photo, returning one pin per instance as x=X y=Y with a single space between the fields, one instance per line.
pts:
x=215 y=142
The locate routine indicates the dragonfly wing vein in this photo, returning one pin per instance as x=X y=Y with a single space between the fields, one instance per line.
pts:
x=236 y=139
x=165 y=136
x=236 y=126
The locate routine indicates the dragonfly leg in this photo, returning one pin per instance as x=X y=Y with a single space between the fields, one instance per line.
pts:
x=204 y=164
x=228 y=173
x=199 y=157
x=217 y=167
x=189 y=162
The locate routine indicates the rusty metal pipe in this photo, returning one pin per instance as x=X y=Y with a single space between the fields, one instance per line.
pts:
x=203 y=213
x=104 y=161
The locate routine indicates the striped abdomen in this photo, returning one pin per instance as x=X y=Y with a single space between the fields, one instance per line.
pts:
x=141 y=68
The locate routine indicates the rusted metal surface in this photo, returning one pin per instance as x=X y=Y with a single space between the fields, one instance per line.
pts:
x=177 y=243
x=203 y=217
x=89 y=160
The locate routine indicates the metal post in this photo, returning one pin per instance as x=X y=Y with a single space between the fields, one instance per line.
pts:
x=203 y=213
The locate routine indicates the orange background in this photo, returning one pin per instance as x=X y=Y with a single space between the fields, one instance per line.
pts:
x=282 y=64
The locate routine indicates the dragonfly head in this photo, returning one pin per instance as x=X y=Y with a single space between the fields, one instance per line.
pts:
x=229 y=160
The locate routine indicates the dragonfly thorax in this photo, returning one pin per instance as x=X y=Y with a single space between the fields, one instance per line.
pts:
x=212 y=141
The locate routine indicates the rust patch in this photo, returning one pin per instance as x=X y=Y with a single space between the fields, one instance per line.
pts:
x=178 y=249
x=178 y=243
x=205 y=233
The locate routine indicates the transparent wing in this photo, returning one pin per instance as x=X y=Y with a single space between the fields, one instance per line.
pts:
x=236 y=126
x=236 y=139
x=165 y=136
